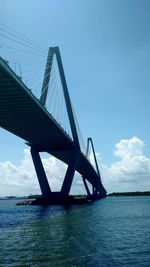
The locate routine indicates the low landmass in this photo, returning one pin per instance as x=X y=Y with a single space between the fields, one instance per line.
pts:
x=114 y=194
x=137 y=193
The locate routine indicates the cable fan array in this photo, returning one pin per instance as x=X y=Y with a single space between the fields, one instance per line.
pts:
x=56 y=104
x=55 y=101
x=27 y=59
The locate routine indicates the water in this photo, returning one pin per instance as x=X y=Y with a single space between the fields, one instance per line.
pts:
x=109 y=232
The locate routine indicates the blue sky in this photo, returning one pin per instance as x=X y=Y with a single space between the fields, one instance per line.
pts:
x=105 y=47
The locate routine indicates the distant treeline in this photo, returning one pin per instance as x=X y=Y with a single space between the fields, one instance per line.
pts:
x=114 y=194
x=138 y=193
x=33 y=196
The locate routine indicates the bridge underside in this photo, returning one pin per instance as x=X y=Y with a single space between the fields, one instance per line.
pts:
x=23 y=115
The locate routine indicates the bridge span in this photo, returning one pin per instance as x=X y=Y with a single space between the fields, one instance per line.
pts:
x=22 y=114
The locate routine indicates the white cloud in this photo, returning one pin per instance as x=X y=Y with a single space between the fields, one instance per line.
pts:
x=130 y=173
x=22 y=180
x=18 y=180
x=130 y=148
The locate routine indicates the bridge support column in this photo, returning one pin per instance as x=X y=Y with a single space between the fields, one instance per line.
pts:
x=65 y=190
x=86 y=187
x=44 y=185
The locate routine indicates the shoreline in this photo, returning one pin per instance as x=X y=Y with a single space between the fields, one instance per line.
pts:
x=129 y=194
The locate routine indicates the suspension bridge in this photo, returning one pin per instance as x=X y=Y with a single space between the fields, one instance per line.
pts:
x=27 y=116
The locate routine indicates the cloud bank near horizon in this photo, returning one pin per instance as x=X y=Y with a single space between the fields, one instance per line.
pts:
x=131 y=172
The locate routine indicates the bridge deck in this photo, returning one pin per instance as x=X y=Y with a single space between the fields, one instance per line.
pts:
x=23 y=115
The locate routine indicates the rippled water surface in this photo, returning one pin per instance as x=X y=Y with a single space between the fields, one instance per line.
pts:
x=111 y=232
